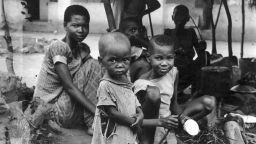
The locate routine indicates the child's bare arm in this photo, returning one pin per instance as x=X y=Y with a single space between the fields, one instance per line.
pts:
x=168 y=122
x=71 y=89
x=119 y=117
x=175 y=107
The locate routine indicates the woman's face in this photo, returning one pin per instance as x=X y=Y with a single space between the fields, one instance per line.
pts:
x=77 y=28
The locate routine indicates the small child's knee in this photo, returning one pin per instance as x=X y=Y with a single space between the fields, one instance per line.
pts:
x=153 y=94
x=209 y=102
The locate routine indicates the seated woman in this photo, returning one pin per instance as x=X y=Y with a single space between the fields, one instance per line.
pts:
x=69 y=77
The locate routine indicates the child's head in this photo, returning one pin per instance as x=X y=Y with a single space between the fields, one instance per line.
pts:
x=180 y=15
x=130 y=27
x=115 y=53
x=76 y=22
x=162 y=54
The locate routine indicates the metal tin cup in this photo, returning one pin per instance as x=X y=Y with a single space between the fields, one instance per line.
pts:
x=189 y=125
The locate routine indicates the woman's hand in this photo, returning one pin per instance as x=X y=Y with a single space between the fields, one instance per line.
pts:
x=169 y=122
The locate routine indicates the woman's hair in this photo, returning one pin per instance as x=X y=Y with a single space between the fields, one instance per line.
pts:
x=75 y=10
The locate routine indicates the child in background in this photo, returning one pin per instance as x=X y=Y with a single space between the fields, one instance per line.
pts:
x=186 y=47
x=139 y=44
x=118 y=115
x=164 y=76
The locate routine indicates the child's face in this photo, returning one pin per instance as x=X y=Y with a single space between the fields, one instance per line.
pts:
x=77 y=28
x=162 y=59
x=117 y=59
x=179 y=18
x=132 y=29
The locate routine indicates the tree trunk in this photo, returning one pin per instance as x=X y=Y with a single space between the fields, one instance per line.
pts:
x=243 y=26
x=214 y=26
x=214 y=50
x=230 y=52
x=110 y=15
x=8 y=39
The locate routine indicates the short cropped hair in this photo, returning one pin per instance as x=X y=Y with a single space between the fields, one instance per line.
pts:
x=111 y=38
x=182 y=9
x=123 y=23
x=75 y=10
x=160 y=40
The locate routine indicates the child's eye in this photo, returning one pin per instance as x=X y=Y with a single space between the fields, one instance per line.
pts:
x=112 y=60
x=75 y=25
x=171 y=57
x=158 y=58
x=126 y=60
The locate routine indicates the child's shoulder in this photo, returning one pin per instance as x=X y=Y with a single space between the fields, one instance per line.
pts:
x=142 y=85
x=173 y=72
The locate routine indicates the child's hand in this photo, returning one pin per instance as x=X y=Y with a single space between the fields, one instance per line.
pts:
x=139 y=118
x=136 y=126
x=169 y=122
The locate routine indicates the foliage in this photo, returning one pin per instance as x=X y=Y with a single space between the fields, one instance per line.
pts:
x=214 y=135
x=16 y=12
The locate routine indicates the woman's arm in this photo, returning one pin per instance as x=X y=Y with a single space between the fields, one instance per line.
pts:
x=71 y=89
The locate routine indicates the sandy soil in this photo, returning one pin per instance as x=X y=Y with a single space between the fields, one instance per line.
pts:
x=28 y=65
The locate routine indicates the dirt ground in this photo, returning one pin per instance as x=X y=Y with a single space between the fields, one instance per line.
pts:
x=28 y=66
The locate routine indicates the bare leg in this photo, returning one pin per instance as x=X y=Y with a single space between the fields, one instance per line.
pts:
x=200 y=107
x=150 y=107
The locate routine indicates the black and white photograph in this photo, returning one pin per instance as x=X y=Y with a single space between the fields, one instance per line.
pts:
x=127 y=71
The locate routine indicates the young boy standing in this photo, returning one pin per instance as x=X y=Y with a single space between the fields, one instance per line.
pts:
x=118 y=115
x=186 y=46
x=164 y=77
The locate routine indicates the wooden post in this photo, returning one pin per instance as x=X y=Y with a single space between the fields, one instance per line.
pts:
x=214 y=26
x=243 y=27
x=110 y=15
x=230 y=51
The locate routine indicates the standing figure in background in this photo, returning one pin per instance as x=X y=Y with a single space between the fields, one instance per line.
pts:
x=133 y=8
x=186 y=48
